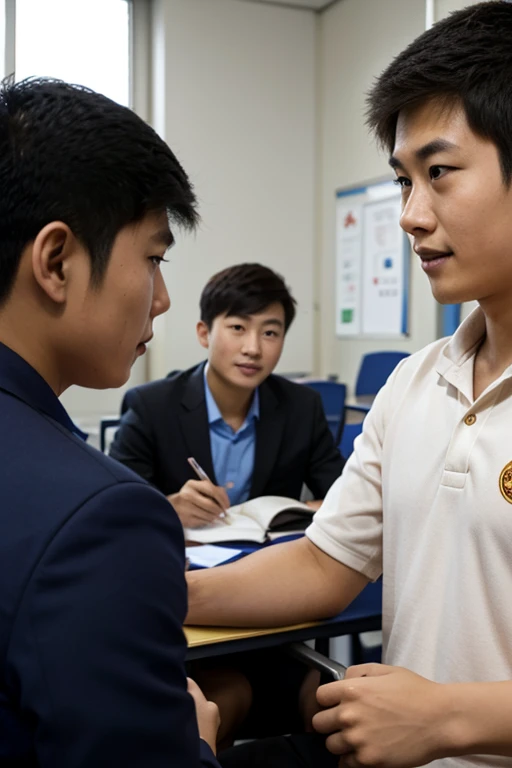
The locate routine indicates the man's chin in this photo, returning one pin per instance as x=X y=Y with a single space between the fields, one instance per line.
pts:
x=104 y=380
x=248 y=382
x=446 y=295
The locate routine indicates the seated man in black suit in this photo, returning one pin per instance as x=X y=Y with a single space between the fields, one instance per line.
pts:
x=252 y=432
x=92 y=584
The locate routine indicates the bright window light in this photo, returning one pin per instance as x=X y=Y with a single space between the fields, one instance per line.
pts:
x=2 y=39
x=81 y=41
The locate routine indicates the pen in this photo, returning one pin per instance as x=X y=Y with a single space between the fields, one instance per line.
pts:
x=203 y=476
x=198 y=469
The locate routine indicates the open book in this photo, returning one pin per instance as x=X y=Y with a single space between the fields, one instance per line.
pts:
x=256 y=520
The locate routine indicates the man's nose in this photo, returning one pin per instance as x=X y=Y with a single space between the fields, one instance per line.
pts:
x=252 y=344
x=161 y=300
x=417 y=213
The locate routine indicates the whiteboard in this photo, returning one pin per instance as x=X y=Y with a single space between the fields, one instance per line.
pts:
x=372 y=262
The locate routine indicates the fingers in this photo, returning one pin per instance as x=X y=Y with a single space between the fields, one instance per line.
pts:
x=199 y=503
x=196 y=518
x=327 y=720
x=331 y=694
x=206 y=495
x=194 y=690
x=337 y=744
x=349 y=761
x=222 y=496
x=368 y=670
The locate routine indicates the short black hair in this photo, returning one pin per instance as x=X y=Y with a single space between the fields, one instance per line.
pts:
x=245 y=289
x=464 y=59
x=70 y=154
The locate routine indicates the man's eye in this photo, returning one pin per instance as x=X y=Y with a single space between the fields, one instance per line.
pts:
x=402 y=181
x=437 y=171
x=157 y=260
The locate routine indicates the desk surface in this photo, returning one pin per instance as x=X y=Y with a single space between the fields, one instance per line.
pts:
x=364 y=614
x=360 y=401
x=197 y=636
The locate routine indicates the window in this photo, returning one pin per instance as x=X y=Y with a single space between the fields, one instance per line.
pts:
x=81 y=41
x=2 y=39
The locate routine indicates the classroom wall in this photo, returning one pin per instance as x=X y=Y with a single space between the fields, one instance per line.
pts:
x=357 y=39
x=443 y=7
x=233 y=94
x=234 y=86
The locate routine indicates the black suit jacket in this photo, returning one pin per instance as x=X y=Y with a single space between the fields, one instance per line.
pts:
x=166 y=421
x=92 y=600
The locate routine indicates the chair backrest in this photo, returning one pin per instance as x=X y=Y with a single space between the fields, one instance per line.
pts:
x=349 y=434
x=106 y=424
x=333 y=395
x=375 y=369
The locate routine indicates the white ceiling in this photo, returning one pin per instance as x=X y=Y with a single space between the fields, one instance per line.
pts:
x=314 y=5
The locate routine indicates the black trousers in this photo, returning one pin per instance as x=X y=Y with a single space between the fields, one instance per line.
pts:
x=275 y=679
x=303 y=750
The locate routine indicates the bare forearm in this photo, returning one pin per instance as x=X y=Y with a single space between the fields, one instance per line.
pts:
x=283 y=584
x=480 y=719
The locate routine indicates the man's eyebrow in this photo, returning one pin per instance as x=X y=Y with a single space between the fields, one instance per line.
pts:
x=274 y=321
x=163 y=237
x=426 y=151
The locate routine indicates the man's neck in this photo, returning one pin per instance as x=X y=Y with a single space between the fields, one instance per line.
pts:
x=495 y=352
x=18 y=333
x=233 y=402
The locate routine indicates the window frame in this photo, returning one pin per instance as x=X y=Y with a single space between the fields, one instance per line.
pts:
x=139 y=26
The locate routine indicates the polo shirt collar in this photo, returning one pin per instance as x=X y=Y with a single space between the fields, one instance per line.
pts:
x=21 y=380
x=465 y=340
x=215 y=416
x=457 y=358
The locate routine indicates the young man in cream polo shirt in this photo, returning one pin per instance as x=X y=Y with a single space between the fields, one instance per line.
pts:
x=426 y=498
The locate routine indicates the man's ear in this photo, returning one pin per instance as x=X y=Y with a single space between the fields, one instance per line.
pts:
x=203 y=334
x=51 y=252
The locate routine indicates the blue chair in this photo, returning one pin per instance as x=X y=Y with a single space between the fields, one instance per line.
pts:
x=333 y=396
x=375 y=369
x=373 y=373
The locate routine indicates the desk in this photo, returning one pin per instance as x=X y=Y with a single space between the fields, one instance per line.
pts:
x=361 y=402
x=356 y=408
x=362 y=615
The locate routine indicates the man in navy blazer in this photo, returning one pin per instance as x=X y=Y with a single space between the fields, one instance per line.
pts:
x=253 y=433
x=92 y=589
x=166 y=421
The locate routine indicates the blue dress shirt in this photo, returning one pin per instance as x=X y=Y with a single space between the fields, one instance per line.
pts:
x=232 y=452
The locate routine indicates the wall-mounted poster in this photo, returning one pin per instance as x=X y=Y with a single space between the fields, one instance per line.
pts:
x=372 y=262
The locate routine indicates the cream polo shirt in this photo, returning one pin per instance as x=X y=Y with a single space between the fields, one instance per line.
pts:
x=420 y=501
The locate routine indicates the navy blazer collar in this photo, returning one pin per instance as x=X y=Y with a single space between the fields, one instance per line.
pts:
x=194 y=394
x=21 y=380
x=269 y=429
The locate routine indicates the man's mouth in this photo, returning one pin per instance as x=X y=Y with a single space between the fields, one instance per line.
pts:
x=430 y=254
x=248 y=367
x=431 y=259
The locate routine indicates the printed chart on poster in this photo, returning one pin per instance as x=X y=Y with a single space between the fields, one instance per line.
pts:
x=372 y=262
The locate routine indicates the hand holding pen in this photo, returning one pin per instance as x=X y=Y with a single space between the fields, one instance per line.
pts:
x=200 y=502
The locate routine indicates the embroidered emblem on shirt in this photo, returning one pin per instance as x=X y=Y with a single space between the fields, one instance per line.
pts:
x=506 y=482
